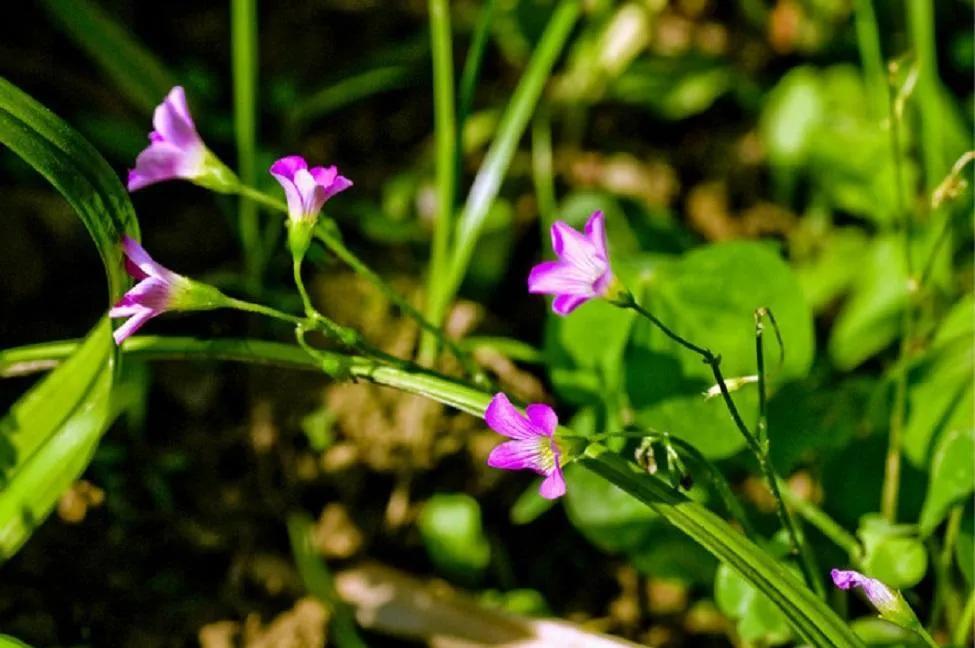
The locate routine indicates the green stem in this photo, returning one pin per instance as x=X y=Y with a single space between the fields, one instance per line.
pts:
x=445 y=133
x=337 y=247
x=543 y=172
x=824 y=523
x=243 y=33
x=890 y=488
x=759 y=449
x=487 y=183
x=871 y=56
x=260 y=309
x=721 y=486
x=964 y=627
x=812 y=618
x=472 y=64
x=920 y=17
x=943 y=591
x=310 y=310
x=259 y=196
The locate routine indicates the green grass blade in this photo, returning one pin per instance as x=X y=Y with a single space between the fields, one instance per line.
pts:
x=445 y=133
x=75 y=169
x=473 y=61
x=137 y=72
x=350 y=89
x=39 y=481
x=49 y=434
x=812 y=619
x=513 y=123
x=243 y=33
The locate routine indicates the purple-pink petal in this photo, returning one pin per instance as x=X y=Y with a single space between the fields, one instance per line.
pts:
x=288 y=166
x=306 y=189
x=517 y=455
x=543 y=417
x=582 y=271
x=555 y=277
x=502 y=417
x=596 y=233
x=173 y=122
x=878 y=593
x=565 y=304
x=133 y=324
x=553 y=486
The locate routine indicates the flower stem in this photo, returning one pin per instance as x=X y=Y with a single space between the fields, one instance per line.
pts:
x=260 y=197
x=826 y=525
x=890 y=488
x=964 y=627
x=260 y=309
x=337 y=247
x=758 y=447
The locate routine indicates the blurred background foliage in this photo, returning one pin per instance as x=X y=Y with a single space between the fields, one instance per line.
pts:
x=748 y=154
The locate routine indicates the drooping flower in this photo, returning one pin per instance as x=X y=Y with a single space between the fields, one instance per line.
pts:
x=159 y=290
x=532 y=444
x=176 y=150
x=582 y=271
x=306 y=189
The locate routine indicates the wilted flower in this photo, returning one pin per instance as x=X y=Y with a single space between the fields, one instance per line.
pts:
x=159 y=290
x=532 y=446
x=582 y=271
x=176 y=150
x=307 y=190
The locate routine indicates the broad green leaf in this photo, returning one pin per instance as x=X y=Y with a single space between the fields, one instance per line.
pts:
x=581 y=370
x=6 y=641
x=134 y=69
x=452 y=532
x=757 y=617
x=834 y=267
x=606 y=515
x=940 y=397
x=893 y=554
x=530 y=505
x=667 y=553
x=50 y=434
x=951 y=477
x=817 y=122
x=674 y=89
x=871 y=318
x=709 y=296
x=792 y=111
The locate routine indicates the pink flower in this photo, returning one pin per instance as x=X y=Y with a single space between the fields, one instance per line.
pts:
x=175 y=149
x=159 y=290
x=881 y=596
x=306 y=189
x=582 y=271
x=532 y=446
